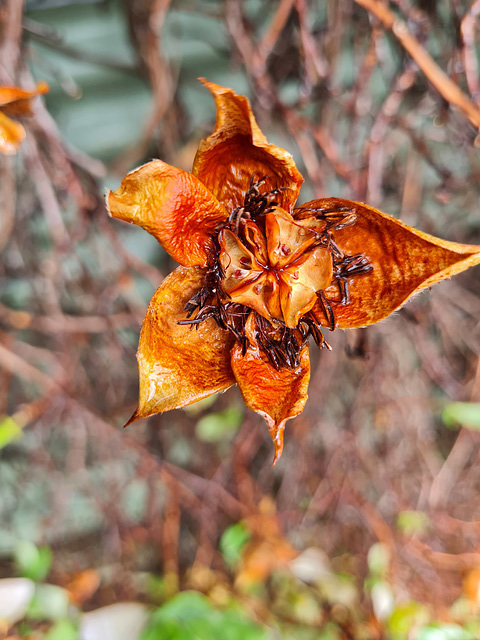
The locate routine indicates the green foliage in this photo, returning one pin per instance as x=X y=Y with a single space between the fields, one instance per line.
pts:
x=63 y=629
x=31 y=561
x=9 y=431
x=378 y=559
x=411 y=522
x=191 y=616
x=466 y=414
x=219 y=426
x=232 y=542
x=444 y=632
x=405 y=618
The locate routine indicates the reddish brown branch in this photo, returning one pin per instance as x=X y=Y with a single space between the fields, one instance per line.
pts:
x=444 y=85
x=11 y=12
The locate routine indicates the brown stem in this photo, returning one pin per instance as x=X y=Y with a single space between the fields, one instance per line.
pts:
x=11 y=12
x=444 y=85
x=468 y=29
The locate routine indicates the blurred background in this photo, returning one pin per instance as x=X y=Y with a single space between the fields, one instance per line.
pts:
x=369 y=526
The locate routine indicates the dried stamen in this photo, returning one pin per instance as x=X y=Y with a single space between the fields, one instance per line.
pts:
x=256 y=203
x=327 y=309
x=347 y=267
x=281 y=344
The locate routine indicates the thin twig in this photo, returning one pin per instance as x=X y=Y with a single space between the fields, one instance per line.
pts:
x=467 y=28
x=444 y=85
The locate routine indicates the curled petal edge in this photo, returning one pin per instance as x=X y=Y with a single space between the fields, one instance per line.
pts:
x=173 y=206
x=237 y=150
x=179 y=364
x=275 y=395
x=404 y=261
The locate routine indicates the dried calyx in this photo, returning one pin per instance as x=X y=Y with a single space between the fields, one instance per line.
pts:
x=258 y=275
x=275 y=267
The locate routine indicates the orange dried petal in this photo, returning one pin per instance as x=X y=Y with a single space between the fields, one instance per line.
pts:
x=172 y=205
x=11 y=135
x=179 y=364
x=236 y=260
x=82 y=585
x=246 y=281
x=256 y=241
x=261 y=294
x=300 y=281
x=286 y=238
x=404 y=261
x=296 y=300
x=237 y=150
x=16 y=101
x=276 y=395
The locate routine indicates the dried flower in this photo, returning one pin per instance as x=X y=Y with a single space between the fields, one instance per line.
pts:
x=259 y=276
x=15 y=102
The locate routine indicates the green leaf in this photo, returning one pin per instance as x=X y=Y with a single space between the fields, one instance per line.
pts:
x=330 y=631
x=9 y=431
x=185 y=606
x=233 y=539
x=338 y=588
x=63 y=629
x=191 y=616
x=466 y=414
x=219 y=426
x=406 y=617
x=378 y=559
x=410 y=522
x=444 y=632
x=31 y=561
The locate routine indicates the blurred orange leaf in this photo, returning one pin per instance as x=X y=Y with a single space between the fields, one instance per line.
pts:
x=83 y=585
x=471 y=585
x=15 y=102
x=266 y=551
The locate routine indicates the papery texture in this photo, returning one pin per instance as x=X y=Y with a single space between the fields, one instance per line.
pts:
x=237 y=150
x=172 y=205
x=261 y=278
x=403 y=259
x=179 y=364
x=276 y=395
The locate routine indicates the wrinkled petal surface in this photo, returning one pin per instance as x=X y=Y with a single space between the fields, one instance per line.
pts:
x=286 y=238
x=246 y=280
x=179 y=364
x=237 y=150
x=276 y=395
x=404 y=261
x=173 y=206
x=11 y=135
x=300 y=282
x=256 y=241
x=237 y=261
